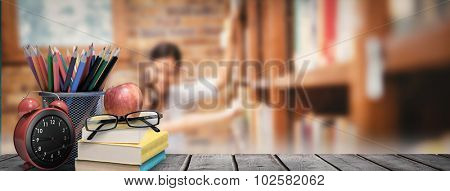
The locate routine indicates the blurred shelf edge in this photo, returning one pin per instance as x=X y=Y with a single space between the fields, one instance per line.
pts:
x=333 y=75
x=428 y=48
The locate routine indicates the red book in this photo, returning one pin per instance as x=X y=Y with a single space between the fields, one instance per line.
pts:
x=329 y=27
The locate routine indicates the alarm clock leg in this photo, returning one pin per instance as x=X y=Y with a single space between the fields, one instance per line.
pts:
x=27 y=166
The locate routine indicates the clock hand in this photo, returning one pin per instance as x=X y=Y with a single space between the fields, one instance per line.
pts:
x=45 y=139
x=54 y=151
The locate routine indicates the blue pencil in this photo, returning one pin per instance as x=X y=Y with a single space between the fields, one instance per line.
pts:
x=79 y=73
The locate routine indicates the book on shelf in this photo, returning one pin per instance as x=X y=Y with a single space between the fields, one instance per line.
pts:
x=324 y=32
x=411 y=15
x=305 y=33
x=346 y=30
x=84 y=165
x=327 y=30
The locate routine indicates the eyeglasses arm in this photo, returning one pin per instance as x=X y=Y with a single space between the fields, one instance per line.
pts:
x=151 y=126
x=91 y=136
x=146 y=117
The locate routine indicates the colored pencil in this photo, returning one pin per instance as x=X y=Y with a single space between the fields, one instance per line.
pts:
x=77 y=63
x=68 y=80
x=42 y=61
x=61 y=84
x=50 y=69
x=38 y=67
x=75 y=69
x=56 y=72
x=79 y=74
x=31 y=65
x=83 y=71
x=90 y=74
x=67 y=59
x=61 y=62
x=99 y=72
x=107 y=70
x=92 y=71
x=88 y=62
x=43 y=66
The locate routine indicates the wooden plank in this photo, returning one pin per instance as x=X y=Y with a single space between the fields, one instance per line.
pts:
x=211 y=162
x=171 y=163
x=348 y=162
x=305 y=163
x=12 y=164
x=65 y=167
x=435 y=161
x=445 y=155
x=254 y=162
x=396 y=163
x=6 y=157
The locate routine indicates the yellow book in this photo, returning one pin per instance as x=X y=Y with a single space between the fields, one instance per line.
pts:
x=151 y=144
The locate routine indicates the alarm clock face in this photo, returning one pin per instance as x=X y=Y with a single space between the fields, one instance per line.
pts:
x=49 y=139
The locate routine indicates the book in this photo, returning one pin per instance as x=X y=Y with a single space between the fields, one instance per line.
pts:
x=125 y=153
x=346 y=30
x=84 y=165
x=306 y=37
x=328 y=11
x=121 y=134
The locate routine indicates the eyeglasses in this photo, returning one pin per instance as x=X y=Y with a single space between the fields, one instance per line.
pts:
x=138 y=119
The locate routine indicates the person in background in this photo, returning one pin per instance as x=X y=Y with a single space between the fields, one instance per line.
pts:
x=163 y=73
x=176 y=98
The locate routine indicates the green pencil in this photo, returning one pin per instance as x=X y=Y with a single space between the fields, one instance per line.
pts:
x=99 y=72
x=50 y=69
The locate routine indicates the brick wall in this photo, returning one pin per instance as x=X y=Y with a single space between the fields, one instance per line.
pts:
x=194 y=25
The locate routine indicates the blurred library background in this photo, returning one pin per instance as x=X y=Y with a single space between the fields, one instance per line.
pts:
x=376 y=79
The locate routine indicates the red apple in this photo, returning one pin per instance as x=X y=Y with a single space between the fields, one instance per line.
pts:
x=123 y=99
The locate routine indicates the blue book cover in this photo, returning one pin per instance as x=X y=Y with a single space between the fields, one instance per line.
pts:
x=152 y=162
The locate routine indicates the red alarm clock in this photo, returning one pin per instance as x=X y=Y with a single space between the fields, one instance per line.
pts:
x=43 y=136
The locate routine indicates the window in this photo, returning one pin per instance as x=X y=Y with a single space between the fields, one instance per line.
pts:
x=55 y=22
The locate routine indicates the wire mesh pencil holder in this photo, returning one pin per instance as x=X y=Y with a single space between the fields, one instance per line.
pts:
x=81 y=105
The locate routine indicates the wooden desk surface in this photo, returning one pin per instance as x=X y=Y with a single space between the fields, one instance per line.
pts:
x=266 y=162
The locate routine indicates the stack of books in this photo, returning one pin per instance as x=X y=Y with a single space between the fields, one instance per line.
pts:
x=121 y=149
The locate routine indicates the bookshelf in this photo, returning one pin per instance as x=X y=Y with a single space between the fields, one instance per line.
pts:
x=425 y=49
x=419 y=51
x=330 y=76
